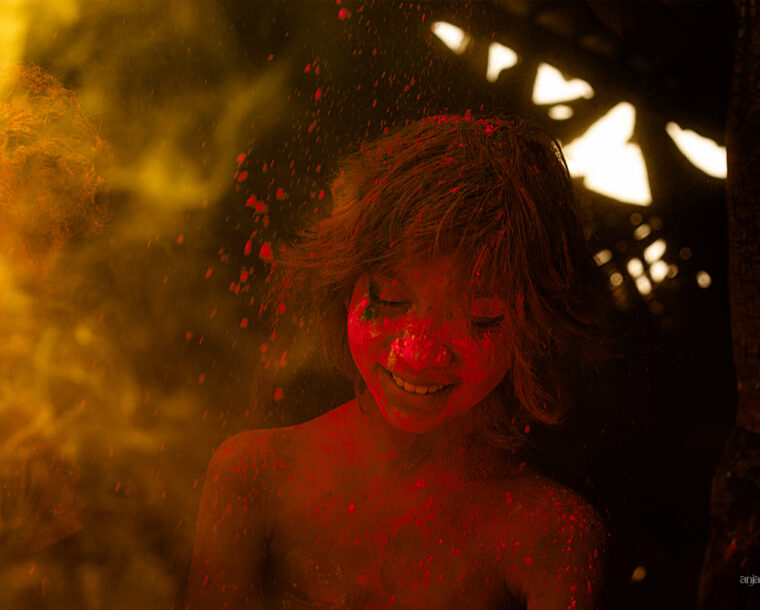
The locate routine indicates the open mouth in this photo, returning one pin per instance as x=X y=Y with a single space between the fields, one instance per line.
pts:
x=411 y=388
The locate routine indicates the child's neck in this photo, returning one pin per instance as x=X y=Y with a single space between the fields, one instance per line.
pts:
x=388 y=450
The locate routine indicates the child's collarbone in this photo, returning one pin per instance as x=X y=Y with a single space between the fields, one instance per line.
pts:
x=425 y=544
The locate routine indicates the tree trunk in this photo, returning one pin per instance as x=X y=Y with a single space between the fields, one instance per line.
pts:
x=733 y=554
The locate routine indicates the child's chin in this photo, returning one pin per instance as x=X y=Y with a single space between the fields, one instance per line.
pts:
x=414 y=421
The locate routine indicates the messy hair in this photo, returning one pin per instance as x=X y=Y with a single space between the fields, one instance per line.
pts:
x=51 y=162
x=496 y=195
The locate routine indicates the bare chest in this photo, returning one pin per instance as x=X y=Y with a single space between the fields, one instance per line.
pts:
x=420 y=545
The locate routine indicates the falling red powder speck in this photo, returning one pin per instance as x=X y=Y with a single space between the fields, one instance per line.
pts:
x=180 y=239
x=281 y=308
x=344 y=14
x=242 y=176
x=188 y=335
x=240 y=158
x=730 y=550
x=209 y=271
x=352 y=508
x=244 y=323
x=281 y=194
x=247 y=248
x=318 y=94
x=201 y=378
x=265 y=253
x=243 y=275
x=278 y=394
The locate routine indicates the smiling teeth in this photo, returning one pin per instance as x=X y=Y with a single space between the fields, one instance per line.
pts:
x=416 y=389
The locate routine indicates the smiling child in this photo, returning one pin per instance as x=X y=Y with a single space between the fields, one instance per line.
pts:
x=451 y=282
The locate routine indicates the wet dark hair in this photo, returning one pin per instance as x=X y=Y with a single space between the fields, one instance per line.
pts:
x=495 y=193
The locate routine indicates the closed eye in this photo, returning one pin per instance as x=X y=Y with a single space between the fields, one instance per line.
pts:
x=374 y=298
x=487 y=323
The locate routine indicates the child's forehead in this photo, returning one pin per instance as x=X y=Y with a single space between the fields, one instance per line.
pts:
x=442 y=271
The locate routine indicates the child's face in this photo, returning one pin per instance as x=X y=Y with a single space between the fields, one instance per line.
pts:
x=428 y=348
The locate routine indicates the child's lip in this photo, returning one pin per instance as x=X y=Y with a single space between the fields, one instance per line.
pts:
x=411 y=378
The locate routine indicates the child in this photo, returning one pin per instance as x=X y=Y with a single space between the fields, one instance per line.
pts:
x=451 y=282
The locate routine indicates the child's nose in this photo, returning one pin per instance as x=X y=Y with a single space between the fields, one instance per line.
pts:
x=421 y=350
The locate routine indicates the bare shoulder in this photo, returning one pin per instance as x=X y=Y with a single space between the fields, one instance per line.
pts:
x=243 y=457
x=562 y=545
x=234 y=521
x=559 y=509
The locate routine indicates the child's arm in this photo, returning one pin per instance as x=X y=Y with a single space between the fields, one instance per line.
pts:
x=561 y=568
x=231 y=532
